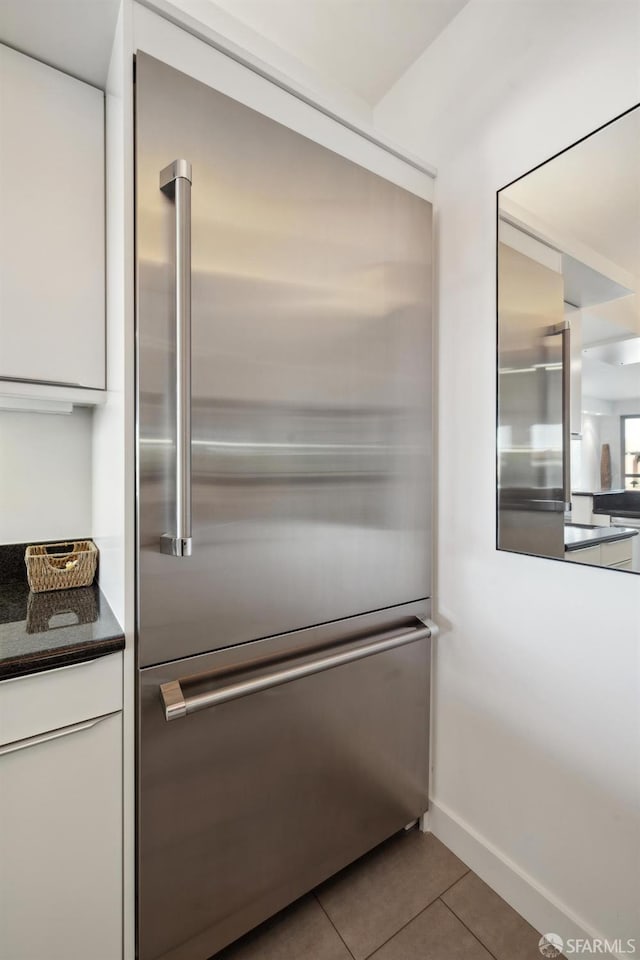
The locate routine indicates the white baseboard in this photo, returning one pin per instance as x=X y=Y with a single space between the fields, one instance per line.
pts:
x=536 y=904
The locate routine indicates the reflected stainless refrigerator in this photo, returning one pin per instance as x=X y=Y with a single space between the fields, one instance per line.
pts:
x=284 y=512
x=534 y=406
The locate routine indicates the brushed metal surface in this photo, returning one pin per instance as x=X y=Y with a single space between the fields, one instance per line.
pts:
x=311 y=378
x=532 y=467
x=247 y=805
x=178 y=170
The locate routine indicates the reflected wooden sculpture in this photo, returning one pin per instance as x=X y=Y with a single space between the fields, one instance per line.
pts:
x=605 y=467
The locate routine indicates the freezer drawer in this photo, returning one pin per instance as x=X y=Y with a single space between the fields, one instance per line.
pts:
x=246 y=805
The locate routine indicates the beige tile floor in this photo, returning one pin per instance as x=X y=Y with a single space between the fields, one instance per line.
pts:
x=410 y=899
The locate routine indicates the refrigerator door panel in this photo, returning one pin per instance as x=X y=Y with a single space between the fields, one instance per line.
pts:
x=310 y=378
x=533 y=408
x=247 y=805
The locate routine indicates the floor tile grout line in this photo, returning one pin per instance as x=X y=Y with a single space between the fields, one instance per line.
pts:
x=452 y=885
x=460 y=920
x=415 y=917
x=346 y=946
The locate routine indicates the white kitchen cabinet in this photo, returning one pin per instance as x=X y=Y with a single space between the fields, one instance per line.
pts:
x=590 y=555
x=57 y=698
x=616 y=554
x=52 y=249
x=61 y=815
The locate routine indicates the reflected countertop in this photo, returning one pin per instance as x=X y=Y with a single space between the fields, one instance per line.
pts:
x=618 y=503
x=577 y=536
x=42 y=631
x=597 y=493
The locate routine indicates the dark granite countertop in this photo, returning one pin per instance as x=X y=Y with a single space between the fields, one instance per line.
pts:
x=579 y=536
x=618 y=503
x=40 y=631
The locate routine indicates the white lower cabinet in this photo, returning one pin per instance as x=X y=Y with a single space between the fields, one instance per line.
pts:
x=61 y=842
x=591 y=555
x=617 y=554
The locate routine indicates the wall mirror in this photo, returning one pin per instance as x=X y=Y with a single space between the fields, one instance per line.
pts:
x=568 y=305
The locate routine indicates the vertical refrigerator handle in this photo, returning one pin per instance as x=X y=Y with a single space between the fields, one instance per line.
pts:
x=566 y=412
x=175 y=182
x=564 y=330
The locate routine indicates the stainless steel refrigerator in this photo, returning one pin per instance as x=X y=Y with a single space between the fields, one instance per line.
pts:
x=534 y=406
x=284 y=513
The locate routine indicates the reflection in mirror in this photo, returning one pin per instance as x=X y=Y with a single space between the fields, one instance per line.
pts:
x=569 y=353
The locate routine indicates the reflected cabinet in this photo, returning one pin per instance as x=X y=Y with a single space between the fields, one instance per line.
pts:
x=568 y=384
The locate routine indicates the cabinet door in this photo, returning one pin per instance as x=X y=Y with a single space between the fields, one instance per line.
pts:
x=52 y=302
x=617 y=552
x=591 y=555
x=61 y=843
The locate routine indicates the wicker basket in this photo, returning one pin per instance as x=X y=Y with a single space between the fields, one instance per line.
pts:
x=58 y=566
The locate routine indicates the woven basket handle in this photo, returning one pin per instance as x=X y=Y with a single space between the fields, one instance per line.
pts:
x=50 y=557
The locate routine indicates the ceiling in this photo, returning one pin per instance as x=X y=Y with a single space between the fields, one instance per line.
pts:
x=606 y=382
x=363 y=45
x=591 y=193
x=613 y=320
x=73 y=35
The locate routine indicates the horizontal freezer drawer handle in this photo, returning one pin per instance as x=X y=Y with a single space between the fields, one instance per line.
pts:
x=176 y=706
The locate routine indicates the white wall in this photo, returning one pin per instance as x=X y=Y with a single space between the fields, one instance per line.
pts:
x=45 y=476
x=114 y=428
x=536 y=693
x=211 y=19
x=113 y=435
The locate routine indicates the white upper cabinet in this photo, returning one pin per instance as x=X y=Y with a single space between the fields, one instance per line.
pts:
x=52 y=247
